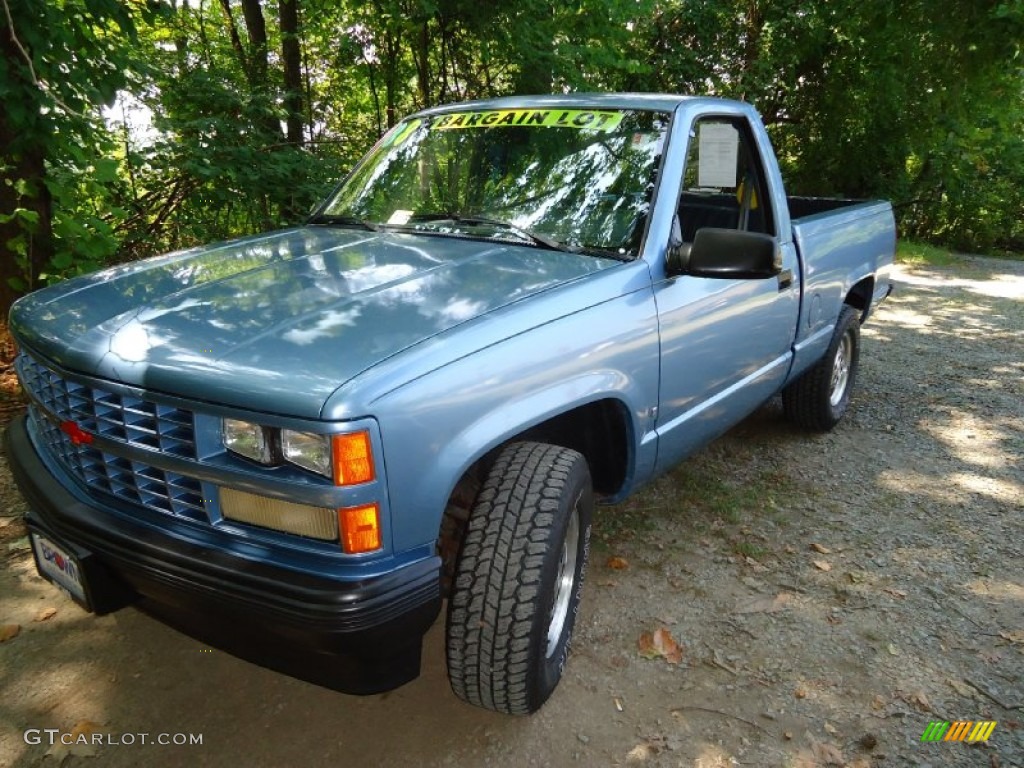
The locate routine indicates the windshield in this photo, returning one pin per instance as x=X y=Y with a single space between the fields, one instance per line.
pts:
x=578 y=180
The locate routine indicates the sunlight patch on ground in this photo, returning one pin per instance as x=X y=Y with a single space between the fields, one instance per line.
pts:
x=997 y=286
x=905 y=481
x=908 y=318
x=1006 y=590
x=714 y=757
x=1000 y=490
x=973 y=440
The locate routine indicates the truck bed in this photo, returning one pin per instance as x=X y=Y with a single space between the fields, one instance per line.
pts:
x=805 y=207
x=845 y=246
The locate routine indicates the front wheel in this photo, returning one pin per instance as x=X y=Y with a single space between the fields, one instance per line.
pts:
x=820 y=397
x=518 y=578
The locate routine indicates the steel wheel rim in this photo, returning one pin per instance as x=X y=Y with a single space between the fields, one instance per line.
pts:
x=841 y=369
x=565 y=582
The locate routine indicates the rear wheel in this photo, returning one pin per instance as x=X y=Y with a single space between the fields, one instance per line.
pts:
x=519 y=577
x=820 y=397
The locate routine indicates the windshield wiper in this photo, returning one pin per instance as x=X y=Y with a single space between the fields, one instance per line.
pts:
x=536 y=238
x=328 y=220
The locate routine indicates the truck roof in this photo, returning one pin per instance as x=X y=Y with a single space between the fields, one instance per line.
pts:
x=662 y=102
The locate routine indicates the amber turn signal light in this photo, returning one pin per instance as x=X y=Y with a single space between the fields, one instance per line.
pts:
x=353 y=458
x=360 y=528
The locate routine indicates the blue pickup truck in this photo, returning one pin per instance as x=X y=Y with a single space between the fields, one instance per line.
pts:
x=297 y=445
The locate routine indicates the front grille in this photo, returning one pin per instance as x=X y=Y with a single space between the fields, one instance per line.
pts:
x=102 y=412
x=120 y=418
x=131 y=481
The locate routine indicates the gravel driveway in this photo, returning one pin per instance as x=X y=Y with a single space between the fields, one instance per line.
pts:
x=830 y=596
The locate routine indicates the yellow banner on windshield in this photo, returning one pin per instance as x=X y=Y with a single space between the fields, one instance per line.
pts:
x=583 y=119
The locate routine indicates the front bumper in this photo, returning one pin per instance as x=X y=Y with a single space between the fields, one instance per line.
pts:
x=357 y=637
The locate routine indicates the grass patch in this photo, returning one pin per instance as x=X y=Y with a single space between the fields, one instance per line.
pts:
x=923 y=254
x=748 y=549
x=698 y=497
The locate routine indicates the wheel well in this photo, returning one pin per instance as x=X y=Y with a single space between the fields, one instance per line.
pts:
x=860 y=295
x=599 y=430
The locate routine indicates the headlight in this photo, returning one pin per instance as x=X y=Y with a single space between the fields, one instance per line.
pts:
x=249 y=440
x=312 y=452
x=345 y=458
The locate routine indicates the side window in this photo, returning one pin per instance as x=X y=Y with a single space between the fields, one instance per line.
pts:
x=724 y=184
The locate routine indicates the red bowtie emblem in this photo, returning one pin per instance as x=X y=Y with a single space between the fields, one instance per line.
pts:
x=78 y=435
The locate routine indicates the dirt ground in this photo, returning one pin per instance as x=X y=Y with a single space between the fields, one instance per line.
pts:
x=831 y=595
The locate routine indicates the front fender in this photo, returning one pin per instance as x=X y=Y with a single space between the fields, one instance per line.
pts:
x=435 y=427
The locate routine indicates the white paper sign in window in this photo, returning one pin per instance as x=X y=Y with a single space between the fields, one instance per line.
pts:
x=719 y=149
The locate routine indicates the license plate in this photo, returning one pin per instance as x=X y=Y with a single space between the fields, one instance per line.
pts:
x=60 y=567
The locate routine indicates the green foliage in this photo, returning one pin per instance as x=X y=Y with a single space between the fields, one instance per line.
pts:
x=923 y=254
x=866 y=98
x=869 y=98
x=60 y=62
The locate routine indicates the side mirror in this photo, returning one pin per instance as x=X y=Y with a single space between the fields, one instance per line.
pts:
x=734 y=254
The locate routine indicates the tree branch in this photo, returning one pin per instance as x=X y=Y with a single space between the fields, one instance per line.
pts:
x=40 y=84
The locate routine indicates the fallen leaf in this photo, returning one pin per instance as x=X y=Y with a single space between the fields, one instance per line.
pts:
x=85 y=728
x=878 y=702
x=618 y=563
x=895 y=592
x=893 y=650
x=79 y=742
x=45 y=613
x=827 y=753
x=646 y=646
x=7 y=631
x=1014 y=636
x=640 y=753
x=800 y=692
x=668 y=646
x=787 y=735
x=822 y=565
x=821 y=548
x=660 y=644
x=19 y=545
x=919 y=700
x=962 y=688
x=766 y=604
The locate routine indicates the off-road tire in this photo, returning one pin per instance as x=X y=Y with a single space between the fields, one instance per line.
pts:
x=820 y=397
x=505 y=653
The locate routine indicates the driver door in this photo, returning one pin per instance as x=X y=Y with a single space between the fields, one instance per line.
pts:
x=726 y=344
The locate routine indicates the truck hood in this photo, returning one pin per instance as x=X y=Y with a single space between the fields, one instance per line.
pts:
x=276 y=323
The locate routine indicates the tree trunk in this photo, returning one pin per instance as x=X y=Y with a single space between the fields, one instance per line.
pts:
x=24 y=254
x=291 y=56
x=236 y=41
x=259 y=55
x=421 y=55
x=751 y=50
